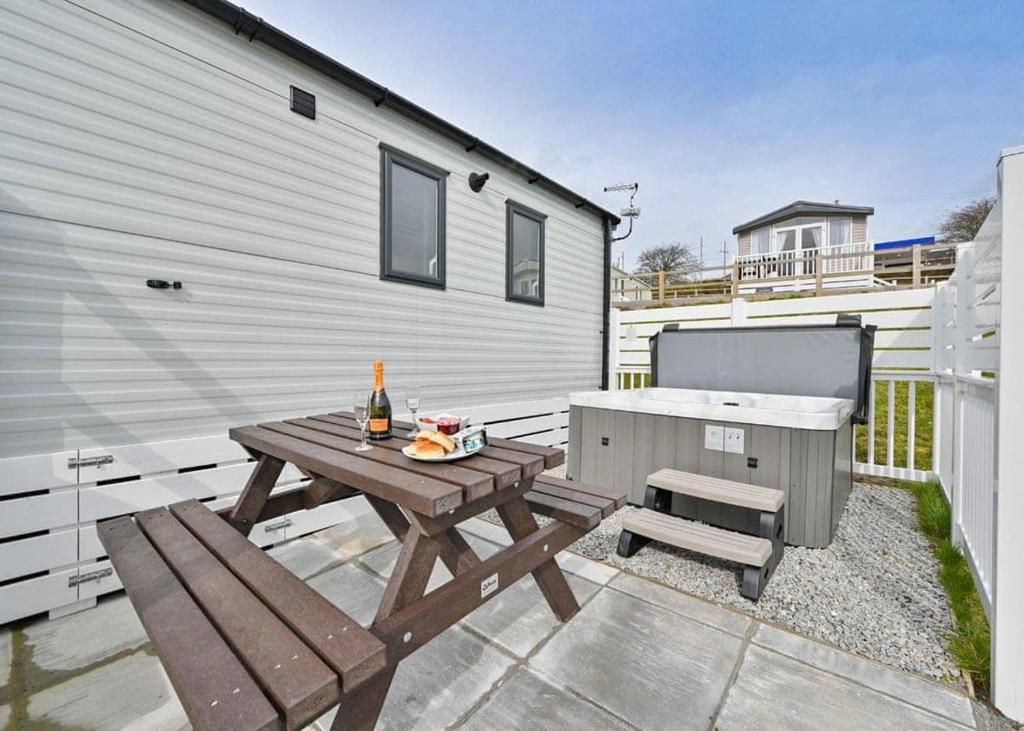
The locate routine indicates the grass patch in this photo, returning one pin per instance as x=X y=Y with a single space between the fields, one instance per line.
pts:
x=923 y=415
x=971 y=640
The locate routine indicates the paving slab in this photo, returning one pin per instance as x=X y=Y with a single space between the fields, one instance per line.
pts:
x=776 y=691
x=5 y=657
x=595 y=571
x=529 y=702
x=133 y=692
x=519 y=618
x=352 y=590
x=909 y=688
x=439 y=683
x=487 y=530
x=83 y=639
x=989 y=719
x=305 y=556
x=684 y=604
x=654 y=668
x=356 y=536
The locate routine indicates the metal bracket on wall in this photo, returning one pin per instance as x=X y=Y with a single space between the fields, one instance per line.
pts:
x=90 y=576
x=75 y=462
x=279 y=525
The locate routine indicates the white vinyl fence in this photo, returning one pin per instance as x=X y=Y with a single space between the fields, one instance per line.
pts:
x=947 y=399
x=895 y=443
x=51 y=558
x=967 y=365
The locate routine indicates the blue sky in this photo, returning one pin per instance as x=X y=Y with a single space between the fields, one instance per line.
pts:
x=721 y=110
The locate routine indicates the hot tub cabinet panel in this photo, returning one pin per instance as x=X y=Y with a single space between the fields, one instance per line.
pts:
x=812 y=467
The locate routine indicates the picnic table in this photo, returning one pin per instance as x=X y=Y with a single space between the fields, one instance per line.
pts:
x=247 y=644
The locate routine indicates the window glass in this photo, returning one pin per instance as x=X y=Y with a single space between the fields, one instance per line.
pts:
x=413 y=222
x=839 y=231
x=525 y=255
x=785 y=240
x=762 y=241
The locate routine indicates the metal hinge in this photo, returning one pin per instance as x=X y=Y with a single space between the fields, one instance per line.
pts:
x=74 y=462
x=279 y=525
x=91 y=576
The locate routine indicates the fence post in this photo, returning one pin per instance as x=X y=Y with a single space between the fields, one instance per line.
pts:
x=915 y=258
x=735 y=289
x=1007 y=618
x=962 y=334
x=614 y=318
x=661 y=286
x=963 y=345
x=738 y=316
x=818 y=286
x=939 y=293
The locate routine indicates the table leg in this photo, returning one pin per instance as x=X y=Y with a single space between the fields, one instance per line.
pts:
x=457 y=555
x=519 y=520
x=360 y=709
x=320 y=490
x=254 y=497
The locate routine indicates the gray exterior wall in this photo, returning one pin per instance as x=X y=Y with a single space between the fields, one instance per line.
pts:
x=743 y=243
x=157 y=143
x=859 y=234
x=813 y=468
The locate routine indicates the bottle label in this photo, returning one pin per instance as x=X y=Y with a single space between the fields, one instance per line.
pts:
x=379 y=425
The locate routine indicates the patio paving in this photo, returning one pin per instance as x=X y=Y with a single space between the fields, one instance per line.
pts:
x=638 y=655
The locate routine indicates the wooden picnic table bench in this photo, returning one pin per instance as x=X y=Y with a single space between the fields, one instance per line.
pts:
x=248 y=645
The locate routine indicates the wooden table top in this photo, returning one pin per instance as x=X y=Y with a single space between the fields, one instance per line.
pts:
x=324 y=445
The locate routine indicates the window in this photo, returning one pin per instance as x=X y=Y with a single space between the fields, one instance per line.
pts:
x=785 y=240
x=412 y=219
x=524 y=254
x=761 y=241
x=839 y=230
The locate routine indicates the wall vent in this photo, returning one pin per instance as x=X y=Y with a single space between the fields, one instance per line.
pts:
x=303 y=103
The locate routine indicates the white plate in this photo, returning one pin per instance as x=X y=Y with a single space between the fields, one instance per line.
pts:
x=459 y=453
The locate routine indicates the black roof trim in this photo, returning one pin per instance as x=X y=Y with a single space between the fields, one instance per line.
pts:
x=245 y=23
x=803 y=208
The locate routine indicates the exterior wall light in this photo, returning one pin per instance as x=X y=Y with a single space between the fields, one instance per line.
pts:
x=477 y=180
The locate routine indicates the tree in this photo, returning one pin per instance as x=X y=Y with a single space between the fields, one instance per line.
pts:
x=669 y=256
x=962 y=224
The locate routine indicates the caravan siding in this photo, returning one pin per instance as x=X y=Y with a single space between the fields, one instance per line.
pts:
x=150 y=141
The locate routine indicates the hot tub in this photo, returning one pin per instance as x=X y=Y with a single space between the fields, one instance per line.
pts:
x=766 y=409
x=797 y=439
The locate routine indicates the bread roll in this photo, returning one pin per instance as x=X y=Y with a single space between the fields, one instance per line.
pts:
x=442 y=440
x=424 y=448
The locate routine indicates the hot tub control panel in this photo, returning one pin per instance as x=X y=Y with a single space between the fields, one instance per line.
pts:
x=723 y=439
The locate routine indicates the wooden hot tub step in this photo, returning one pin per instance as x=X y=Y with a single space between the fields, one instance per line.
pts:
x=755 y=497
x=754 y=553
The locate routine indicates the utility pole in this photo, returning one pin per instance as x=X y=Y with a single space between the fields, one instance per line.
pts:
x=702 y=258
x=725 y=254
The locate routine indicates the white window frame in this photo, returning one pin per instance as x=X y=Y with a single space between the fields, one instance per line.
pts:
x=798 y=232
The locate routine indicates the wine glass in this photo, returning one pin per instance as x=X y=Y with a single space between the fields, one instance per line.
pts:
x=412 y=402
x=361 y=410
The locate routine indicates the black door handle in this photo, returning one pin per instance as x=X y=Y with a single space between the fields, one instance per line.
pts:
x=162 y=284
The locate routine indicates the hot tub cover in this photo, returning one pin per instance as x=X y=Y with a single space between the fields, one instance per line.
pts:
x=832 y=361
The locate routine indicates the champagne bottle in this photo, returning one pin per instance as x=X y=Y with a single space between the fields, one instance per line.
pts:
x=380 y=406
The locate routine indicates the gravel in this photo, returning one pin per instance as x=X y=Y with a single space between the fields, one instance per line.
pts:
x=875 y=591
